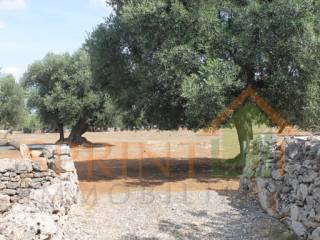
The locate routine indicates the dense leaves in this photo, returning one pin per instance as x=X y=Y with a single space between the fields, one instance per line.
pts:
x=62 y=90
x=12 y=106
x=174 y=63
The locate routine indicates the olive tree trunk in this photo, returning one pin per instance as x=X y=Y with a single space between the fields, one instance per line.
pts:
x=243 y=125
x=77 y=131
x=61 y=132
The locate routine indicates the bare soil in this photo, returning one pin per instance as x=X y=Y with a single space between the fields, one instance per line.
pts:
x=131 y=160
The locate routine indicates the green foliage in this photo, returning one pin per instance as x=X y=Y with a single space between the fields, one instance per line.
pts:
x=260 y=154
x=171 y=63
x=31 y=123
x=44 y=80
x=209 y=91
x=174 y=63
x=62 y=90
x=12 y=106
x=144 y=53
x=276 y=44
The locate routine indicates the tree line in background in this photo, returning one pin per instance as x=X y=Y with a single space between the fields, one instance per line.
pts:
x=13 y=111
x=178 y=63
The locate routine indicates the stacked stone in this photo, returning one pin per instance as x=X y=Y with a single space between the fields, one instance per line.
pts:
x=18 y=177
x=292 y=190
x=36 y=194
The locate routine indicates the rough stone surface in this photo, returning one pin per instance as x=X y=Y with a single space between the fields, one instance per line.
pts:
x=23 y=222
x=25 y=151
x=4 y=203
x=40 y=164
x=268 y=200
x=7 y=165
x=288 y=188
x=316 y=234
x=35 y=198
x=150 y=215
x=298 y=228
x=23 y=165
x=64 y=164
x=62 y=150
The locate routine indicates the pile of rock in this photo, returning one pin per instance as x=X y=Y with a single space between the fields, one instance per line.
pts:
x=287 y=182
x=36 y=193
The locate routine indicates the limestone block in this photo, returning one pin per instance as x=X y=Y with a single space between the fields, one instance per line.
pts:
x=48 y=152
x=9 y=192
x=25 y=151
x=295 y=213
x=276 y=174
x=12 y=185
x=292 y=151
x=298 y=228
x=7 y=165
x=62 y=150
x=25 y=182
x=309 y=177
x=23 y=165
x=316 y=234
x=4 y=203
x=269 y=201
x=64 y=164
x=302 y=192
x=40 y=164
x=316 y=194
x=35 y=153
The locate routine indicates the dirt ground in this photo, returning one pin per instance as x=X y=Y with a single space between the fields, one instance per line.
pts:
x=133 y=160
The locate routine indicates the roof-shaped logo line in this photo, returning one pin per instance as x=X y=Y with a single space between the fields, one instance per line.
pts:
x=284 y=127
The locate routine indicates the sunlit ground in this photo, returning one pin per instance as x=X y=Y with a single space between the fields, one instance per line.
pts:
x=162 y=160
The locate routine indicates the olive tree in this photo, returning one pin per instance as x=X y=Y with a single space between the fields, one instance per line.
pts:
x=62 y=90
x=12 y=106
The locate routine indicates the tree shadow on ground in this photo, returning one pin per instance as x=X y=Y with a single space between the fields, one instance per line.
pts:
x=246 y=221
x=153 y=171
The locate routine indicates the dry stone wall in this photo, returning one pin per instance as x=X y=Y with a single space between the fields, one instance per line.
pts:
x=285 y=174
x=36 y=193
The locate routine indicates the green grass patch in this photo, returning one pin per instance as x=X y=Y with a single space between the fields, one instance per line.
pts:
x=225 y=152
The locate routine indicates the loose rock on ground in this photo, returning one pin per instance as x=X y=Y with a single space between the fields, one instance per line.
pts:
x=143 y=215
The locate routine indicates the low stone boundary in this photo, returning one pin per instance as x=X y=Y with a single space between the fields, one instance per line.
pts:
x=36 y=193
x=285 y=174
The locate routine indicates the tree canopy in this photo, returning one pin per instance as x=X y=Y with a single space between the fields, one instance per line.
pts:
x=62 y=90
x=173 y=63
x=12 y=105
x=178 y=63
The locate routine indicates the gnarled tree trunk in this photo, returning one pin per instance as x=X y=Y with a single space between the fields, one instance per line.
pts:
x=243 y=126
x=242 y=118
x=75 y=137
x=61 y=132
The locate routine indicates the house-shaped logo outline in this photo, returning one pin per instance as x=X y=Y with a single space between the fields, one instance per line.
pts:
x=250 y=93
